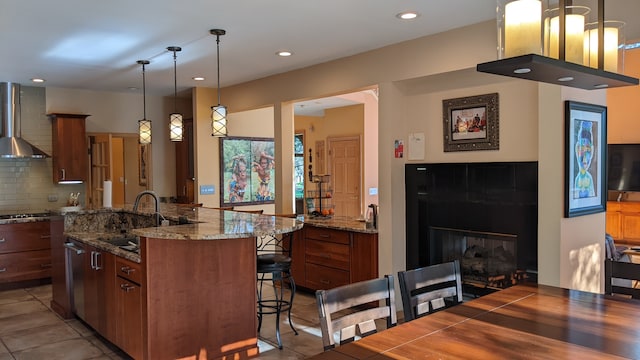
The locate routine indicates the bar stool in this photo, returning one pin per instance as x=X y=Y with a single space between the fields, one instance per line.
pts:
x=274 y=258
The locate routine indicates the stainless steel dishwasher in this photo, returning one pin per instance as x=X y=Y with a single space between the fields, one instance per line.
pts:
x=75 y=267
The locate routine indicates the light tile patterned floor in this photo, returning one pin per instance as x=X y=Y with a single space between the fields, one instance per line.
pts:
x=29 y=330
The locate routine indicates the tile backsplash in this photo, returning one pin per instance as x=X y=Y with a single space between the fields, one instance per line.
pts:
x=27 y=184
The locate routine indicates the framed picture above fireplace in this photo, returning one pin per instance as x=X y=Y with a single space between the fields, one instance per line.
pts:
x=585 y=167
x=471 y=123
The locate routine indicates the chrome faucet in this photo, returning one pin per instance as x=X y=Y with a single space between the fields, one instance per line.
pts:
x=155 y=198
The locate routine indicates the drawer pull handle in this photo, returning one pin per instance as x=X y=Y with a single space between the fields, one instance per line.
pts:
x=3 y=270
x=45 y=236
x=127 y=270
x=326 y=282
x=45 y=266
x=325 y=236
x=127 y=287
x=2 y=240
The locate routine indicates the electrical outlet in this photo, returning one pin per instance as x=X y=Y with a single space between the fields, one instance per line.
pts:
x=52 y=197
x=164 y=223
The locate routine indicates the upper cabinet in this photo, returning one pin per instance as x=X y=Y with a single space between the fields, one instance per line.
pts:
x=70 y=153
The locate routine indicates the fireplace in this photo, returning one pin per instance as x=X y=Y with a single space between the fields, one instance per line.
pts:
x=486 y=259
x=483 y=214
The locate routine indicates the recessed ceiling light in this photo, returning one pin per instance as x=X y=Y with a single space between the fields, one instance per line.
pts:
x=522 y=71
x=37 y=80
x=601 y=86
x=407 y=15
x=198 y=78
x=565 y=78
x=284 y=53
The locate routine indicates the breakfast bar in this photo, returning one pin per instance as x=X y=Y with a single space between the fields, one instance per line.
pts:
x=188 y=291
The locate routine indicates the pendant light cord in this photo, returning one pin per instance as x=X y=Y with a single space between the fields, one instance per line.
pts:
x=144 y=95
x=218 y=56
x=175 y=83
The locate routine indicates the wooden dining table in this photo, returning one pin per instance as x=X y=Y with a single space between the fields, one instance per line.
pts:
x=521 y=322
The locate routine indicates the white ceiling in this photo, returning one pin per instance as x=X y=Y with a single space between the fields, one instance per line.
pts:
x=94 y=45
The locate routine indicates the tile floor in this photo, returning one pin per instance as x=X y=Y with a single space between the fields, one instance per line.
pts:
x=29 y=330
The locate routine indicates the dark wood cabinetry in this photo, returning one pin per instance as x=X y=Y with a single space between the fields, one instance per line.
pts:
x=128 y=307
x=70 y=152
x=98 y=291
x=332 y=257
x=25 y=251
x=185 y=177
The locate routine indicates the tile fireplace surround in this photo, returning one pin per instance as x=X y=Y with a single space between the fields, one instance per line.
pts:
x=490 y=206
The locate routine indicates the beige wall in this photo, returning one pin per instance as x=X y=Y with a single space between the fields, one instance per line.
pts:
x=413 y=79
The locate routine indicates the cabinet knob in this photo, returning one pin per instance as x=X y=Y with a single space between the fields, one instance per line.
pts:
x=2 y=240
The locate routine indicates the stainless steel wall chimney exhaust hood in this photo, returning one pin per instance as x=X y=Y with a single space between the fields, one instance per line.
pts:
x=12 y=146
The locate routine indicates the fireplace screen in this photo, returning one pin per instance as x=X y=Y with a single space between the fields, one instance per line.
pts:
x=486 y=259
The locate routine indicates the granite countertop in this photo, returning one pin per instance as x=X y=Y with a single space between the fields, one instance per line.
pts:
x=338 y=223
x=210 y=224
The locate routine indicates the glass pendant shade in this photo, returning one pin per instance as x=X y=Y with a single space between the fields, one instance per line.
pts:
x=144 y=125
x=144 y=131
x=533 y=27
x=614 y=41
x=175 y=127
x=175 y=119
x=219 y=121
x=218 y=112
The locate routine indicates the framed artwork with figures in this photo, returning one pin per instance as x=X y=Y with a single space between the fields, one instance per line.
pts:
x=247 y=171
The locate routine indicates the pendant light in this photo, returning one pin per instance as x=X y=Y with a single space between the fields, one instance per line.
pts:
x=144 y=125
x=218 y=112
x=552 y=41
x=175 y=119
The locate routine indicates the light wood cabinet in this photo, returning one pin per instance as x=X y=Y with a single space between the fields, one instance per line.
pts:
x=332 y=257
x=128 y=307
x=623 y=221
x=25 y=251
x=70 y=152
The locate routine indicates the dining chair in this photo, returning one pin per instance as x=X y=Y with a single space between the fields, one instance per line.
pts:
x=621 y=270
x=430 y=288
x=352 y=309
x=274 y=259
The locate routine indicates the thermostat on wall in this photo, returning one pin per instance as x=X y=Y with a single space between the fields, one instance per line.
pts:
x=207 y=189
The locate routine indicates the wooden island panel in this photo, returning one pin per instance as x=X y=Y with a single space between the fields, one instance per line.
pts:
x=200 y=298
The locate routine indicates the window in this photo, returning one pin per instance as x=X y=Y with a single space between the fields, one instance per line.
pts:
x=298 y=171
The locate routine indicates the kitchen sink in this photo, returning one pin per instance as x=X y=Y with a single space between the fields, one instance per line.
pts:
x=124 y=241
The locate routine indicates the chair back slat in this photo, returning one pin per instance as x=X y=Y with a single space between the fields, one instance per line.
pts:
x=430 y=288
x=352 y=309
x=621 y=270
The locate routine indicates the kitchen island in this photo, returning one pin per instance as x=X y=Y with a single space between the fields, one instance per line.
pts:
x=334 y=251
x=190 y=291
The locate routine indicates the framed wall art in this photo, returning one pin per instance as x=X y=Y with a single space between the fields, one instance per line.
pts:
x=143 y=164
x=247 y=171
x=585 y=161
x=471 y=123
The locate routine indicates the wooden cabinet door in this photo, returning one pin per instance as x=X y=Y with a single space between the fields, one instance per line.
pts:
x=70 y=153
x=128 y=307
x=129 y=317
x=298 y=259
x=98 y=290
